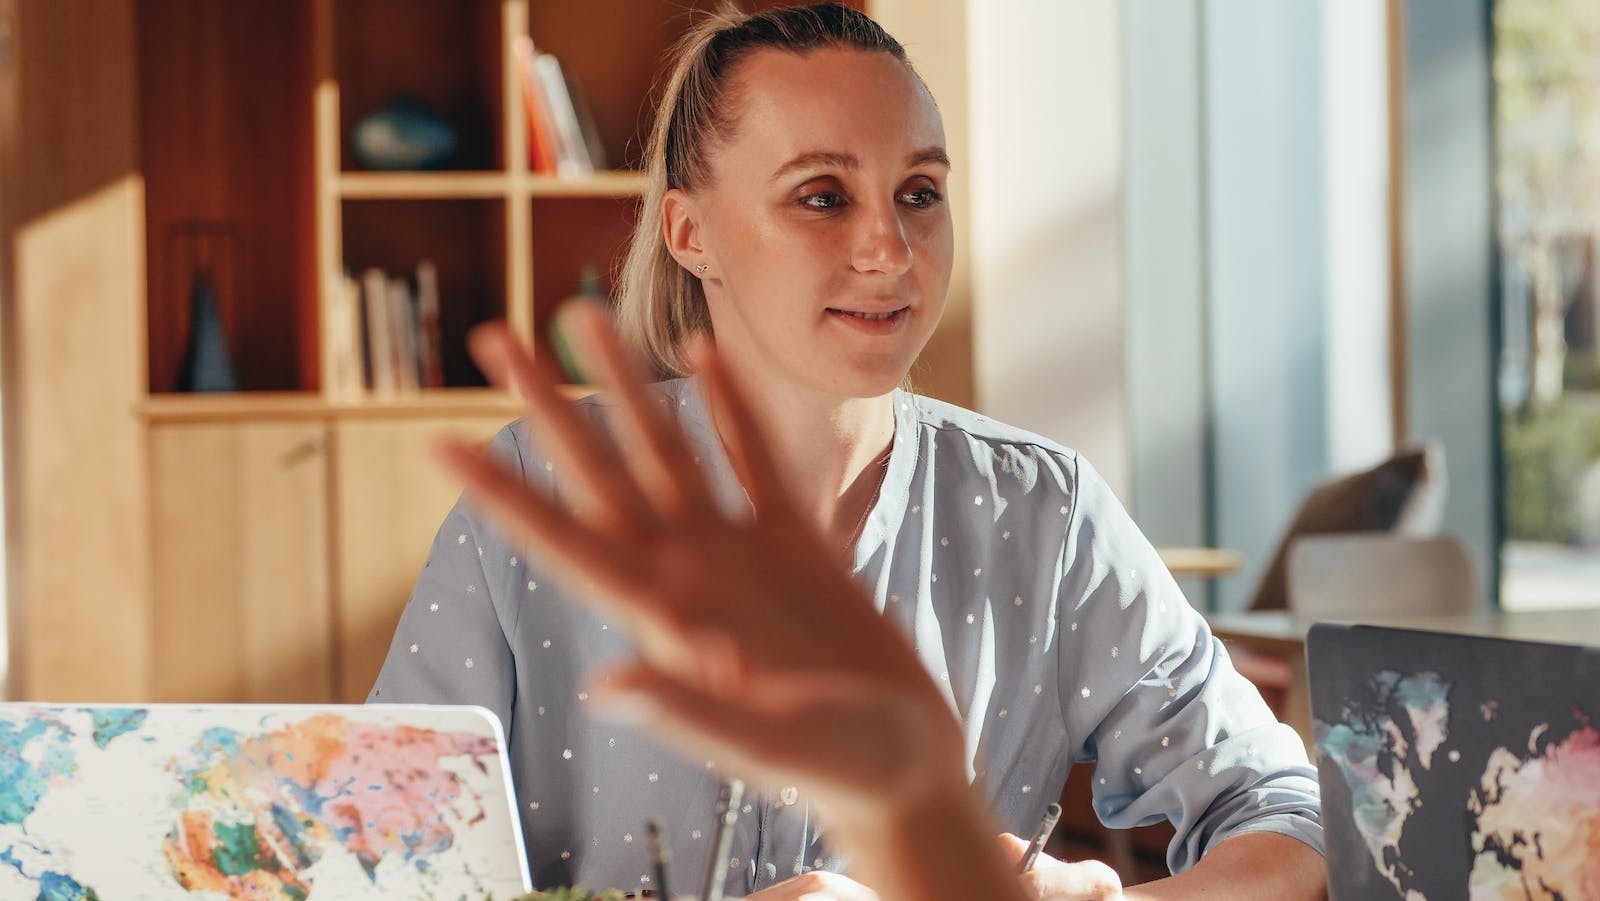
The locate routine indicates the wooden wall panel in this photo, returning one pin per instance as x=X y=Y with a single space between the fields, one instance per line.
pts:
x=71 y=294
x=390 y=498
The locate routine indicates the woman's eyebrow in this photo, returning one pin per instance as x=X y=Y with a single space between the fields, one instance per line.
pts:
x=818 y=159
x=822 y=159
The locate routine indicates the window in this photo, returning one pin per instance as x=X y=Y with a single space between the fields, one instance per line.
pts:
x=1546 y=69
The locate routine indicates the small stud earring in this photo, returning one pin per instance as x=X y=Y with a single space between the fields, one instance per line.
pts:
x=701 y=268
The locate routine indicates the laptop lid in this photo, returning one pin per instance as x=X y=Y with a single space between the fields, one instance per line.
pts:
x=256 y=801
x=1456 y=766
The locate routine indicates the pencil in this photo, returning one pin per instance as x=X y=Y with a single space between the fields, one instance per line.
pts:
x=656 y=846
x=1047 y=825
x=727 y=814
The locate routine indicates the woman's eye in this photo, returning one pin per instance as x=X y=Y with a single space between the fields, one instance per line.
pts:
x=922 y=198
x=823 y=200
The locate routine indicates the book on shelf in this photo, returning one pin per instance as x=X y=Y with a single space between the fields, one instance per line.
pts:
x=541 y=128
x=402 y=310
x=573 y=157
x=587 y=126
x=379 y=347
x=562 y=136
x=428 y=350
x=346 y=379
x=385 y=335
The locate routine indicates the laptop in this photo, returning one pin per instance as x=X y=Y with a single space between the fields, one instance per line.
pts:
x=256 y=801
x=1456 y=766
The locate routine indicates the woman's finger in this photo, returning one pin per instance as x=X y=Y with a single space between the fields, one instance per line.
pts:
x=666 y=622
x=747 y=448
x=591 y=471
x=655 y=450
x=572 y=549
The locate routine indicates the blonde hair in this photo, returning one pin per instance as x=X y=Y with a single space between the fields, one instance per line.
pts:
x=660 y=302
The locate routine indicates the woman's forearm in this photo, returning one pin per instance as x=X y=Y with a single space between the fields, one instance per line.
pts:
x=1255 y=865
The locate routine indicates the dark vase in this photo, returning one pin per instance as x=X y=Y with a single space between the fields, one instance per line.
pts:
x=206 y=366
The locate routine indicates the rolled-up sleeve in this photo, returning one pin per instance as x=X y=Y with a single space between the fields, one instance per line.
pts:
x=1151 y=696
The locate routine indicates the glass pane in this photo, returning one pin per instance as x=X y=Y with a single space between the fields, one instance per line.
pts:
x=1547 y=87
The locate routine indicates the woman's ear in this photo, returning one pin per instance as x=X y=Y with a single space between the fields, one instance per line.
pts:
x=680 y=229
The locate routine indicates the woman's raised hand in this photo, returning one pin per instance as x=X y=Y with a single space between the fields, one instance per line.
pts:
x=755 y=644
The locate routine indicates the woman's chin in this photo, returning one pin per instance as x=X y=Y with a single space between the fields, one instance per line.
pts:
x=862 y=381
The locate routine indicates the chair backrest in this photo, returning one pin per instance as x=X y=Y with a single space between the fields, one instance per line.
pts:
x=1358 y=575
x=1404 y=494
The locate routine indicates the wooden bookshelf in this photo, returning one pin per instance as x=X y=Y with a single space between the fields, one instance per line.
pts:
x=260 y=544
x=247 y=108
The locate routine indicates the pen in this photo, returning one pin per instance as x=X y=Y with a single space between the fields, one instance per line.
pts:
x=722 y=843
x=657 y=849
x=1052 y=815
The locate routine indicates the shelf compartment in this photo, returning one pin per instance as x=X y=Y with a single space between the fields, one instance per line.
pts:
x=225 y=134
x=444 y=54
x=569 y=233
x=465 y=238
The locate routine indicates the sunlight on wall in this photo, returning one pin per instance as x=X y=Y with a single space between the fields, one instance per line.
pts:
x=1046 y=223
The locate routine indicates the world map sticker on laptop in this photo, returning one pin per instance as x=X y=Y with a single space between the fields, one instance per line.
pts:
x=1456 y=767
x=255 y=802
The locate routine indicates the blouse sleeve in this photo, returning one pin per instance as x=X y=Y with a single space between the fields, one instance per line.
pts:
x=1151 y=696
x=453 y=642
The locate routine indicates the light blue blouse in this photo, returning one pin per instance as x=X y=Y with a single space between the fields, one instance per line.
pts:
x=1044 y=614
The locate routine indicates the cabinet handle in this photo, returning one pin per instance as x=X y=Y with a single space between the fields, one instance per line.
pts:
x=315 y=447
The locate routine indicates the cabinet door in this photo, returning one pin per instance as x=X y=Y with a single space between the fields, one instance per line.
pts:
x=240 y=555
x=391 y=499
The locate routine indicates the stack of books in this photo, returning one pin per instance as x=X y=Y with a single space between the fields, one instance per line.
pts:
x=384 y=334
x=562 y=138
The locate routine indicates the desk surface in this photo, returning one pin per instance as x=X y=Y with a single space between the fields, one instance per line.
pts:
x=1200 y=562
x=1280 y=632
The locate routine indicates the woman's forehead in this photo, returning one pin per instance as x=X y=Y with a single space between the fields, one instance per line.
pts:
x=865 y=103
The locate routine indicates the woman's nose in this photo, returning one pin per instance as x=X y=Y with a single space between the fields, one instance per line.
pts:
x=881 y=245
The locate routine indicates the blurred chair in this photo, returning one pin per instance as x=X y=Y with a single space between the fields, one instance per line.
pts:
x=1403 y=495
x=1361 y=575
x=1369 y=576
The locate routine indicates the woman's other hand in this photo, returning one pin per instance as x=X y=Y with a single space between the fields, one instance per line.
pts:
x=1057 y=880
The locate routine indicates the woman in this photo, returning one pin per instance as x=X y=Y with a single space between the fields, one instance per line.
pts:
x=796 y=214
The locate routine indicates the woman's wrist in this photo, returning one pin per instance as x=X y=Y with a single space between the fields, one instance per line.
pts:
x=939 y=844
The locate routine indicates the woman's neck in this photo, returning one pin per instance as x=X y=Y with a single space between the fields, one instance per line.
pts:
x=831 y=451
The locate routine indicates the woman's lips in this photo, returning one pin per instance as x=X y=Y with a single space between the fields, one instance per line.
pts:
x=883 y=323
